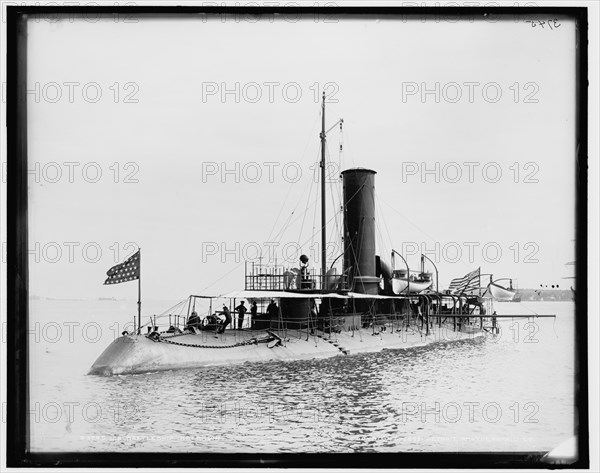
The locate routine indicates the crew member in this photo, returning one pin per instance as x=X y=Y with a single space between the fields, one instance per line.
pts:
x=227 y=314
x=273 y=310
x=253 y=312
x=193 y=321
x=241 y=310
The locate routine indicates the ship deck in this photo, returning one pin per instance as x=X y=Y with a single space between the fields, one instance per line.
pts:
x=212 y=339
x=345 y=342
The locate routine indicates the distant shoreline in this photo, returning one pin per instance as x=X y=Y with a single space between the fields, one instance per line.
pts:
x=546 y=295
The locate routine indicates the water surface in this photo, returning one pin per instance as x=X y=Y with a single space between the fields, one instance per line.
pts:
x=514 y=392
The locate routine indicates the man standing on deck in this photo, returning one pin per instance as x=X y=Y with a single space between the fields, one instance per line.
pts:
x=241 y=310
x=253 y=312
x=273 y=310
x=227 y=314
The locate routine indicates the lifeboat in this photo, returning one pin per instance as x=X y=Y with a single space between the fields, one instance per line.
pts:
x=405 y=283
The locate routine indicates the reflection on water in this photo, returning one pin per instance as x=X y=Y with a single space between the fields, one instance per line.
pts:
x=512 y=392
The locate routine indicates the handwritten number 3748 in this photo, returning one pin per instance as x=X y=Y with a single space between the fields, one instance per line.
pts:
x=552 y=24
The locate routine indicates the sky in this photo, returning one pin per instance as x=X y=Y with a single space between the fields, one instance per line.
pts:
x=196 y=139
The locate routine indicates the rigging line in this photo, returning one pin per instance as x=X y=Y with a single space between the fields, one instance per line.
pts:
x=466 y=265
x=222 y=277
x=378 y=232
x=308 y=141
x=277 y=237
x=529 y=309
x=326 y=178
x=340 y=224
x=355 y=269
x=387 y=250
x=384 y=221
x=289 y=222
x=336 y=229
x=350 y=146
x=312 y=239
x=350 y=242
x=360 y=238
x=285 y=226
x=334 y=236
x=554 y=327
x=341 y=147
x=318 y=199
x=407 y=220
x=380 y=238
x=334 y=216
x=333 y=190
x=414 y=225
x=282 y=231
x=315 y=233
x=280 y=212
x=305 y=211
x=173 y=307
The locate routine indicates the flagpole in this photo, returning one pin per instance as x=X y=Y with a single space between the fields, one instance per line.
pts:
x=140 y=292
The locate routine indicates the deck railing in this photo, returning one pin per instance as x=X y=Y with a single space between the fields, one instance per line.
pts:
x=279 y=278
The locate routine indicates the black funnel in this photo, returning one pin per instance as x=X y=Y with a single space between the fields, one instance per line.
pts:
x=359 y=230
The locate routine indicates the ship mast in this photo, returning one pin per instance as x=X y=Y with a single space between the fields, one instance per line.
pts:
x=323 y=209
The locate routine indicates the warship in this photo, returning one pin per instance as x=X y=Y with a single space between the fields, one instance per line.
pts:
x=357 y=303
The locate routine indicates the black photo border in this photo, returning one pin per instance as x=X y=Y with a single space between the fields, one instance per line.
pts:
x=17 y=442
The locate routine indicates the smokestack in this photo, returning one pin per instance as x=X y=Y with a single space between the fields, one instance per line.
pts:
x=359 y=230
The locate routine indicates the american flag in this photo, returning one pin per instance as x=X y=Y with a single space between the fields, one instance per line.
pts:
x=126 y=271
x=469 y=282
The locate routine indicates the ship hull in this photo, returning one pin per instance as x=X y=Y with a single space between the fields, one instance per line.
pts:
x=132 y=354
